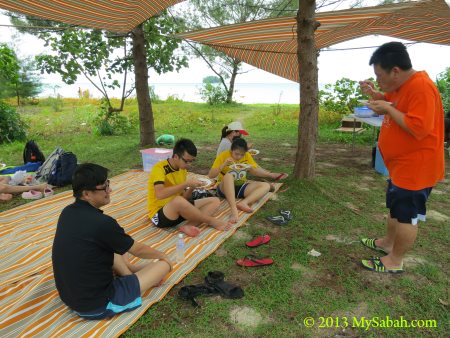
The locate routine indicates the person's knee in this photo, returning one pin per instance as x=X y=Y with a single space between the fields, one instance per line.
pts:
x=180 y=202
x=166 y=267
x=264 y=185
x=215 y=201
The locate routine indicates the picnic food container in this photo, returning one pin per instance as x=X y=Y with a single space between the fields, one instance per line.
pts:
x=363 y=111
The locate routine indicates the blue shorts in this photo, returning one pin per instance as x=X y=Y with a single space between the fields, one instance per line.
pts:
x=126 y=297
x=238 y=191
x=407 y=206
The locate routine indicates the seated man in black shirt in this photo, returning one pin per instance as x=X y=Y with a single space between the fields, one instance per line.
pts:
x=92 y=274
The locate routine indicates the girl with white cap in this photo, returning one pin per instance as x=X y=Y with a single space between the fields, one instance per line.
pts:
x=229 y=132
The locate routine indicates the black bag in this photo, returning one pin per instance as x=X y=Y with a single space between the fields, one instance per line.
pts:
x=32 y=153
x=64 y=169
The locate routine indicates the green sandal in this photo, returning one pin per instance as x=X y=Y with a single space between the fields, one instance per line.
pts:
x=370 y=243
x=375 y=264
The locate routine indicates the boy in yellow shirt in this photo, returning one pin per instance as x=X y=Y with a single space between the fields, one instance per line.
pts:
x=169 y=191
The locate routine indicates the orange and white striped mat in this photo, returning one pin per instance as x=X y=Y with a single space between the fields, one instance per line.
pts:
x=29 y=302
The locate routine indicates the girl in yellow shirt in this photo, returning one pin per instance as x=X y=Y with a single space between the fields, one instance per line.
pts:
x=231 y=168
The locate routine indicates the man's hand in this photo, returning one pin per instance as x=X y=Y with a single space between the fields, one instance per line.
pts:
x=368 y=88
x=380 y=107
x=193 y=183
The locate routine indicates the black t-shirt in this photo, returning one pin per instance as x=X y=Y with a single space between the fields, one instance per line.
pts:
x=83 y=255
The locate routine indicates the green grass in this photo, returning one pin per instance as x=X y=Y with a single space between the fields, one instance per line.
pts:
x=331 y=212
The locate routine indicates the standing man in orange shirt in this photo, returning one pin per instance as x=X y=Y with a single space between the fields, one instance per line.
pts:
x=411 y=143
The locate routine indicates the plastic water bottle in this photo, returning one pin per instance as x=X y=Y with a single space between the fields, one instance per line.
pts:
x=181 y=246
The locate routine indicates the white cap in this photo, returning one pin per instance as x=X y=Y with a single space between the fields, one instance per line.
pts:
x=237 y=126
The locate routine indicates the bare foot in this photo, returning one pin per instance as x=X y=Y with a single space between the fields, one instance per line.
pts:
x=234 y=216
x=379 y=243
x=190 y=230
x=5 y=197
x=390 y=264
x=221 y=225
x=244 y=207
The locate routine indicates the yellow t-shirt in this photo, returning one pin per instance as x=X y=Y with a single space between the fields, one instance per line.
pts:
x=240 y=177
x=163 y=173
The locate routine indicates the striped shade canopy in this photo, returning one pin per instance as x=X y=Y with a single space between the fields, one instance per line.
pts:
x=271 y=44
x=119 y=16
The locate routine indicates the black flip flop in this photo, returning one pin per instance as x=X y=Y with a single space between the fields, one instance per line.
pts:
x=215 y=279
x=278 y=220
x=287 y=214
x=189 y=292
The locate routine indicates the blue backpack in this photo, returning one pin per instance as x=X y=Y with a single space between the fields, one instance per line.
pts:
x=64 y=168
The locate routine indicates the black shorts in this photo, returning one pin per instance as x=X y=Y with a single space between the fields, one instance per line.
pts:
x=407 y=206
x=238 y=191
x=161 y=221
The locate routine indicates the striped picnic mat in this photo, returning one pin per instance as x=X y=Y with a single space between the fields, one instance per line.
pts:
x=29 y=302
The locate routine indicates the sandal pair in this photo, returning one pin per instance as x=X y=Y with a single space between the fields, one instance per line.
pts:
x=214 y=285
x=282 y=219
x=35 y=195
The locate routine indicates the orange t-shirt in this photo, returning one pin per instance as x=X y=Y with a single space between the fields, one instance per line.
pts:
x=415 y=161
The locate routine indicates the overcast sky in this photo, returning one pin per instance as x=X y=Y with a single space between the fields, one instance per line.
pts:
x=334 y=63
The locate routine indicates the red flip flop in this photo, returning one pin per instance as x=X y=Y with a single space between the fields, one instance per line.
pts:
x=260 y=240
x=252 y=261
x=282 y=176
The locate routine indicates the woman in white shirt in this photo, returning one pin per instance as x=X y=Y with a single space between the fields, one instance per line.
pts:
x=234 y=129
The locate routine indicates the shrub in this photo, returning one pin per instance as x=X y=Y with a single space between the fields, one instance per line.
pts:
x=213 y=93
x=12 y=128
x=340 y=97
x=110 y=122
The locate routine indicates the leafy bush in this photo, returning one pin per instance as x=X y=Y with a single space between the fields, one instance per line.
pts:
x=213 y=93
x=12 y=128
x=110 y=122
x=340 y=97
x=443 y=84
x=173 y=98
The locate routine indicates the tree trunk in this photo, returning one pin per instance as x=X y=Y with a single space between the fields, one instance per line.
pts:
x=146 y=124
x=305 y=161
x=232 y=81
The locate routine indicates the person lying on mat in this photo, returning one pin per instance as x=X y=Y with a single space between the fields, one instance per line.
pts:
x=7 y=190
x=92 y=273
x=230 y=168
x=169 y=191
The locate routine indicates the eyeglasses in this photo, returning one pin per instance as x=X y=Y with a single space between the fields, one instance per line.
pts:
x=105 y=188
x=187 y=161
